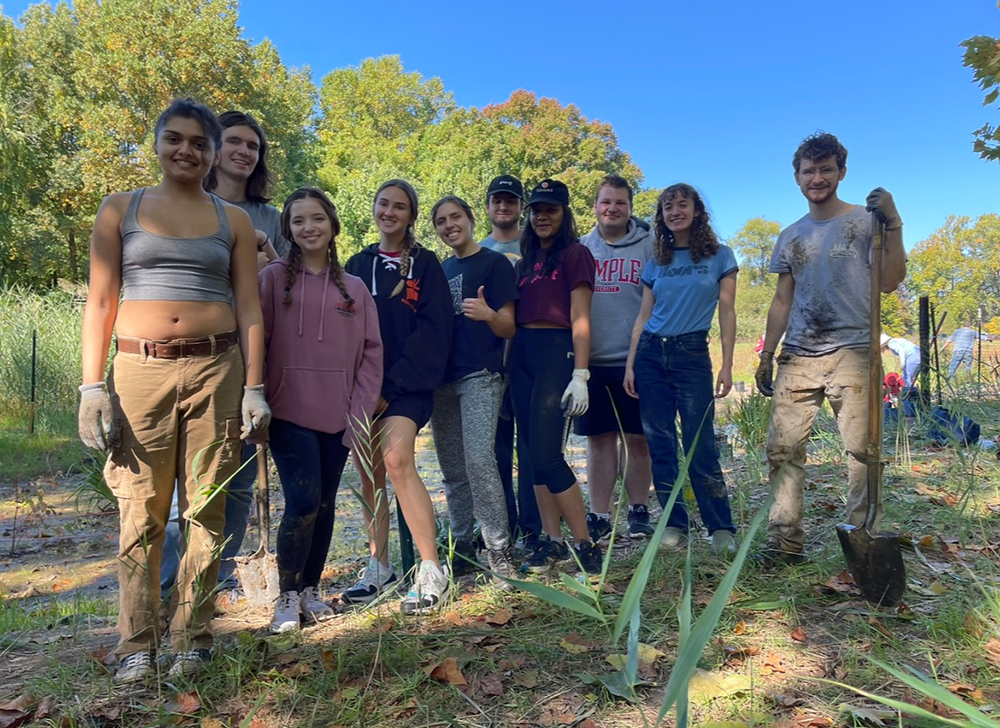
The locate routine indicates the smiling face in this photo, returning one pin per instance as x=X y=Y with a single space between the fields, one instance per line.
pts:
x=453 y=226
x=679 y=213
x=546 y=220
x=311 y=227
x=504 y=210
x=819 y=179
x=240 y=152
x=183 y=150
x=613 y=211
x=392 y=211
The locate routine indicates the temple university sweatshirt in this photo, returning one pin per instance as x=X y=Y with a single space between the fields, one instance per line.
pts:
x=323 y=357
x=617 y=292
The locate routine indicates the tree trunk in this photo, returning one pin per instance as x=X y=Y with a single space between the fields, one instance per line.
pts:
x=74 y=266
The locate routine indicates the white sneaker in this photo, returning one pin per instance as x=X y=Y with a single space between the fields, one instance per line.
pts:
x=428 y=590
x=134 y=667
x=673 y=538
x=314 y=609
x=287 y=609
x=189 y=663
x=372 y=582
x=723 y=542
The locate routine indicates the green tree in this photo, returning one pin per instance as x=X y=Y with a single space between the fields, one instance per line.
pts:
x=982 y=55
x=753 y=244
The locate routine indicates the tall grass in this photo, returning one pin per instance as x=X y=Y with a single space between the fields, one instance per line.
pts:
x=57 y=317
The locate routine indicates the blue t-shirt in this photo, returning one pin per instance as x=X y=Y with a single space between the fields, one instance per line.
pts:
x=685 y=293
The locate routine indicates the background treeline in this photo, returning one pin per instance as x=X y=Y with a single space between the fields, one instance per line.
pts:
x=81 y=85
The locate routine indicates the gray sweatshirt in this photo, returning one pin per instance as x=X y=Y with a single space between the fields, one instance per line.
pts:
x=617 y=292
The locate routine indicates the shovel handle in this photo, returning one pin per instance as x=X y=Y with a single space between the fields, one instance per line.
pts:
x=874 y=447
x=263 y=499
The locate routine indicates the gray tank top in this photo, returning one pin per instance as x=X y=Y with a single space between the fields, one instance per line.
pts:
x=164 y=268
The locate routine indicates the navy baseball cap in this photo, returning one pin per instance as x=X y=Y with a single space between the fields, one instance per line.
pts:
x=550 y=191
x=506 y=183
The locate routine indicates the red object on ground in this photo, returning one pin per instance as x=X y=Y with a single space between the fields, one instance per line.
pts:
x=893 y=385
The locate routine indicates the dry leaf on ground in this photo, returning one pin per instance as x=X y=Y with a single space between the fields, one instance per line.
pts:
x=575 y=644
x=993 y=652
x=799 y=635
x=491 y=685
x=22 y=702
x=499 y=618
x=184 y=703
x=705 y=686
x=447 y=671
x=13 y=718
x=526 y=679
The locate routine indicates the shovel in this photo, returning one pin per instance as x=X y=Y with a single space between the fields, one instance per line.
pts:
x=258 y=572
x=875 y=560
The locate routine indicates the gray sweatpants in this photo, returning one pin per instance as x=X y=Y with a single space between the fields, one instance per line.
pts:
x=465 y=425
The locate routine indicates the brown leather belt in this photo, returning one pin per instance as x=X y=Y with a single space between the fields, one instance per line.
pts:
x=178 y=348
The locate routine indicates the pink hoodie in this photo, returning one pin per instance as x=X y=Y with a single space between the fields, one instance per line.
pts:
x=323 y=361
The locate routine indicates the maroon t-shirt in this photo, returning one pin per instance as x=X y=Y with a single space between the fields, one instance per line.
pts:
x=547 y=298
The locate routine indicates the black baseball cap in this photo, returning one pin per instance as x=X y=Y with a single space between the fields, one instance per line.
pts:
x=506 y=183
x=550 y=191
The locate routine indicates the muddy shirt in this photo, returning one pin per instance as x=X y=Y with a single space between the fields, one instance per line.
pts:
x=830 y=262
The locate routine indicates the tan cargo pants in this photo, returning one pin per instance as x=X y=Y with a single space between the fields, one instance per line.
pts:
x=180 y=420
x=799 y=389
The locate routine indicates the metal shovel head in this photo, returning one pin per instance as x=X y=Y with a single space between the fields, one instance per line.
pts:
x=258 y=575
x=876 y=563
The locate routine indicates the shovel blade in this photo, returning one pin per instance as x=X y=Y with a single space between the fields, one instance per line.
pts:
x=876 y=562
x=258 y=575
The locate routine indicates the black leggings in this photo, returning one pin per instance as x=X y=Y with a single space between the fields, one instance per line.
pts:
x=541 y=365
x=310 y=464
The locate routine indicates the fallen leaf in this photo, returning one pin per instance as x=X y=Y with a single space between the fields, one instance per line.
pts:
x=329 y=660
x=738 y=652
x=299 y=669
x=799 y=635
x=552 y=716
x=937 y=588
x=969 y=691
x=772 y=662
x=527 y=679
x=588 y=723
x=107 y=712
x=993 y=652
x=407 y=709
x=45 y=707
x=103 y=657
x=491 y=685
x=184 y=703
x=880 y=627
x=786 y=701
x=499 y=618
x=704 y=686
x=927 y=542
x=209 y=722
x=13 y=718
x=24 y=701
x=454 y=618
x=618 y=662
x=575 y=644
x=740 y=628
x=447 y=671
x=491 y=648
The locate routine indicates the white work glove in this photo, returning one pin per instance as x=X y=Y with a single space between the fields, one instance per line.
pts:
x=576 y=399
x=256 y=413
x=95 y=423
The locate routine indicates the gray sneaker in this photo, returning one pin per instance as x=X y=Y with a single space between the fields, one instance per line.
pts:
x=134 y=668
x=673 y=538
x=189 y=663
x=502 y=567
x=723 y=542
x=428 y=591
x=375 y=580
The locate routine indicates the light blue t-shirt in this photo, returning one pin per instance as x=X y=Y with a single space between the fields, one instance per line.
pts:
x=963 y=339
x=686 y=293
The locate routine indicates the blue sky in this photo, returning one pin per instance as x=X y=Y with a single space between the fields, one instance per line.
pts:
x=715 y=93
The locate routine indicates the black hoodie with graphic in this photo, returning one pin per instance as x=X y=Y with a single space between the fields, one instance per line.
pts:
x=415 y=321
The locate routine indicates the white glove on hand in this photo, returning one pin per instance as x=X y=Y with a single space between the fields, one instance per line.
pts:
x=94 y=421
x=256 y=413
x=576 y=399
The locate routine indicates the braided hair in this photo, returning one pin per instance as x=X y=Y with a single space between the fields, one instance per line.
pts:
x=410 y=245
x=703 y=242
x=294 y=256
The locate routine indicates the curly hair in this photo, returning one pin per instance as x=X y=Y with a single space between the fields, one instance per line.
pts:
x=259 y=182
x=410 y=244
x=531 y=243
x=703 y=241
x=294 y=256
x=820 y=146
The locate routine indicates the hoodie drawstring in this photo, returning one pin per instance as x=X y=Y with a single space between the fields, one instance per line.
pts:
x=322 y=308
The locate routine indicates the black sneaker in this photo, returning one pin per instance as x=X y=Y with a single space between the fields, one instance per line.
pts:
x=502 y=567
x=464 y=559
x=590 y=556
x=598 y=527
x=559 y=552
x=529 y=542
x=774 y=555
x=638 y=522
x=538 y=559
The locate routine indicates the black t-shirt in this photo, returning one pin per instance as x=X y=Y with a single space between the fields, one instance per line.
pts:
x=474 y=346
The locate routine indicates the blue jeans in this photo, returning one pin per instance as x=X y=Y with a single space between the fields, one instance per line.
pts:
x=673 y=375
x=960 y=358
x=239 y=497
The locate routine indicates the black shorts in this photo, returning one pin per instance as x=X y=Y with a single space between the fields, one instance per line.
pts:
x=416 y=406
x=608 y=397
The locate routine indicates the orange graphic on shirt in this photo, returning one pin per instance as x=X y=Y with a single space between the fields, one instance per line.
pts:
x=411 y=293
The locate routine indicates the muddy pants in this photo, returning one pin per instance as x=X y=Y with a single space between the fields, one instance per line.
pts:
x=801 y=385
x=180 y=420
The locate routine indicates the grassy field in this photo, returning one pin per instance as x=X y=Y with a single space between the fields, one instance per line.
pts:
x=789 y=648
